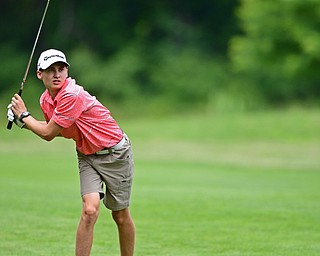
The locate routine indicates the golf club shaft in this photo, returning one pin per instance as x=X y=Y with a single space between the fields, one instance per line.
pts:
x=9 y=126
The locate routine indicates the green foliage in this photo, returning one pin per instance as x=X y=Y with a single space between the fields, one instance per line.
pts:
x=12 y=71
x=187 y=76
x=128 y=52
x=176 y=78
x=114 y=77
x=174 y=55
x=280 y=48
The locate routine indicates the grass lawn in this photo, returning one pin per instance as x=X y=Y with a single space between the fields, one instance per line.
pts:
x=227 y=185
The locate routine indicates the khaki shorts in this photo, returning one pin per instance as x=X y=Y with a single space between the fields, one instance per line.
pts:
x=114 y=170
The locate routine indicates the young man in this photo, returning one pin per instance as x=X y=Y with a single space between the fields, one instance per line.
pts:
x=104 y=151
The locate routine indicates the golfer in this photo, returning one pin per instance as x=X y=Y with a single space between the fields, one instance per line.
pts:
x=103 y=149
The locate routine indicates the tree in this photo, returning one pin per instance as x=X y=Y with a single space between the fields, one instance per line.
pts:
x=138 y=45
x=279 y=50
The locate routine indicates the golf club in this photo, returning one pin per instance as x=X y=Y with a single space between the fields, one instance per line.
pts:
x=9 y=126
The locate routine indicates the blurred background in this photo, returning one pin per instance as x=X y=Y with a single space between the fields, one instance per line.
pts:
x=221 y=99
x=160 y=57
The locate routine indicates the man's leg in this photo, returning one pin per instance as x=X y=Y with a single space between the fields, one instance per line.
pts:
x=90 y=212
x=126 y=231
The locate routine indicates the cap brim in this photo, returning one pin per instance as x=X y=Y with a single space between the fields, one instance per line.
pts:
x=52 y=61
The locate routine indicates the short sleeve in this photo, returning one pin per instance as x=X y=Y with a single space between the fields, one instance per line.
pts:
x=68 y=109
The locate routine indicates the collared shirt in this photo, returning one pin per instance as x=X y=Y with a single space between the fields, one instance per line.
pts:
x=83 y=117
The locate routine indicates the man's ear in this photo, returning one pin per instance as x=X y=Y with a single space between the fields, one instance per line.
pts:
x=39 y=75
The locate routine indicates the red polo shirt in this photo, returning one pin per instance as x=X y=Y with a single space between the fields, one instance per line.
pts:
x=83 y=117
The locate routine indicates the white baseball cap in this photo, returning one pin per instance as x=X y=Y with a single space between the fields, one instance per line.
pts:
x=48 y=57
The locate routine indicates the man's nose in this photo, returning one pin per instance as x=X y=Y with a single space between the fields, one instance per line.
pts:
x=56 y=73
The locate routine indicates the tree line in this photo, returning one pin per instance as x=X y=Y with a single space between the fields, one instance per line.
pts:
x=211 y=54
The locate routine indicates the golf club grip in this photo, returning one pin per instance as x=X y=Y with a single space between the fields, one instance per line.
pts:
x=9 y=125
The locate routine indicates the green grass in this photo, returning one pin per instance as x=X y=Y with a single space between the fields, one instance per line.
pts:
x=224 y=185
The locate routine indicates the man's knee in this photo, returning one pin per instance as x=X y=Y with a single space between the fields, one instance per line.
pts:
x=90 y=209
x=121 y=217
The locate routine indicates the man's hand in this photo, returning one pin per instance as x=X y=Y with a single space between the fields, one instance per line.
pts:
x=12 y=118
x=18 y=106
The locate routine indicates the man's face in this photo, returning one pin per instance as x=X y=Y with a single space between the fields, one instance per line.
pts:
x=54 y=76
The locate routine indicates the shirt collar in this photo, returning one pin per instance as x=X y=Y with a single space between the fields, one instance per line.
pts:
x=50 y=100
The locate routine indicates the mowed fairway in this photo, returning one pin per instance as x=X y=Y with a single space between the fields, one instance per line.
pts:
x=227 y=185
